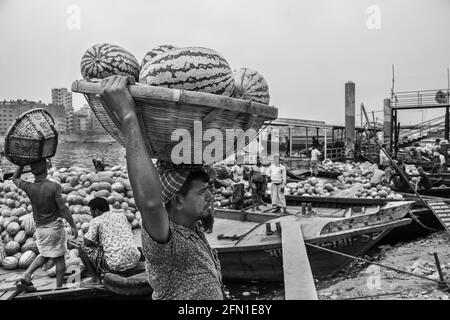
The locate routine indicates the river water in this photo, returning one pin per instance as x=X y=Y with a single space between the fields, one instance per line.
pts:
x=81 y=154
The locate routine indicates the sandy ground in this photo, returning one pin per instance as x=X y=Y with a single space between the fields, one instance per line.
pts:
x=374 y=282
x=367 y=281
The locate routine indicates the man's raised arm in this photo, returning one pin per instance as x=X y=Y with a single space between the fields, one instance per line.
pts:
x=143 y=176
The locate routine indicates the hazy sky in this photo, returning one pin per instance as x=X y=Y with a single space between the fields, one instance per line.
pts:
x=306 y=50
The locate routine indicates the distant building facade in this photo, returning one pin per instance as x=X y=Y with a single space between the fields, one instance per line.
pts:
x=10 y=110
x=85 y=121
x=62 y=96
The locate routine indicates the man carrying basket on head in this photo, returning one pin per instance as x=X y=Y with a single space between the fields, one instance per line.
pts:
x=48 y=209
x=173 y=200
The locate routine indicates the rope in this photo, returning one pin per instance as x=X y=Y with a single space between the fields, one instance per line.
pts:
x=371 y=262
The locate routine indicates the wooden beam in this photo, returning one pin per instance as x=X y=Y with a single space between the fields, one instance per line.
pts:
x=298 y=278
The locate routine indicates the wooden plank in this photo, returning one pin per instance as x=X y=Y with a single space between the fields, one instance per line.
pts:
x=298 y=278
x=441 y=207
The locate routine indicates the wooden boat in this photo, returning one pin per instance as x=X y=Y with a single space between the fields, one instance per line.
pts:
x=437 y=179
x=335 y=202
x=426 y=165
x=248 y=252
x=300 y=174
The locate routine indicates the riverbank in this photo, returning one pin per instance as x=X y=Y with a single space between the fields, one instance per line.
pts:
x=363 y=281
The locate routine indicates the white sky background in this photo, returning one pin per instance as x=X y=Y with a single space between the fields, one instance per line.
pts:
x=306 y=50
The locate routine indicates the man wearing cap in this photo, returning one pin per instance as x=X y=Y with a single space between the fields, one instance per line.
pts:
x=48 y=210
x=172 y=200
x=109 y=245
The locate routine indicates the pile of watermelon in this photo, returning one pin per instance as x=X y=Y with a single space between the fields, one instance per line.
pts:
x=310 y=187
x=188 y=68
x=18 y=246
x=17 y=227
x=370 y=191
x=224 y=196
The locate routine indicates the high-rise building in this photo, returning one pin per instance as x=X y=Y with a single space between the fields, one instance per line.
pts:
x=61 y=96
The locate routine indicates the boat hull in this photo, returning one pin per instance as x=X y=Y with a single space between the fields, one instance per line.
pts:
x=257 y=255
x=264 y=262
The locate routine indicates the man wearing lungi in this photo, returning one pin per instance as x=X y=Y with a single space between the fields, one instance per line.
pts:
x=48 y=210
x=109 y=244
x=277 y=174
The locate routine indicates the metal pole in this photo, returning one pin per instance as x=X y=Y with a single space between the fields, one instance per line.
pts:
x=290 y=141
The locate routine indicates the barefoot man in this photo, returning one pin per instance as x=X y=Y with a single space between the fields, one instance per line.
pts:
x=48 y=210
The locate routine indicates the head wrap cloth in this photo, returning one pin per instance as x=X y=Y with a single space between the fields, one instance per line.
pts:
x=174 y=176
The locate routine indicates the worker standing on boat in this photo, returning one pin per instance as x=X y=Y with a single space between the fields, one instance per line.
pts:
x=172 y=200
x=277 y=175
x=109 y=245
x=257 y=183
x=237 y=172
x=314 y=165
x=48 y=208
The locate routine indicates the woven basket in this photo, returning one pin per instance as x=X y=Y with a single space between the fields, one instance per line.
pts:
x=31 y=137
x=162 y=110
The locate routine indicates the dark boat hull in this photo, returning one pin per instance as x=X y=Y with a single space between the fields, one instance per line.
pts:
x=334 y=202
x=264 y=262
x=433 y=192
x=257 y=256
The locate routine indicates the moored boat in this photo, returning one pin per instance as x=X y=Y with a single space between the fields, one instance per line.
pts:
x=248 y=252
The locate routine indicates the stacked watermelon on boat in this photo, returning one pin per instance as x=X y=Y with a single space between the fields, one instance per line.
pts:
x=178 y=88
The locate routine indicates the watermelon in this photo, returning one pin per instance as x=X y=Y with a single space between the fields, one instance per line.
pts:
x=30 y=244
x=6 y=212
x=250 y=85
x=153 y=53
x=20 y=237
x=7 y=238
x=26 y=259
x=66 y=188
x=28 y=225
x=17 y=255
x=193 y=68
x=13 y=228
x=19 y=212
x=104 y=60
x=10 y=263
x=118 y=187
x=12 y=247
x=102 y=194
